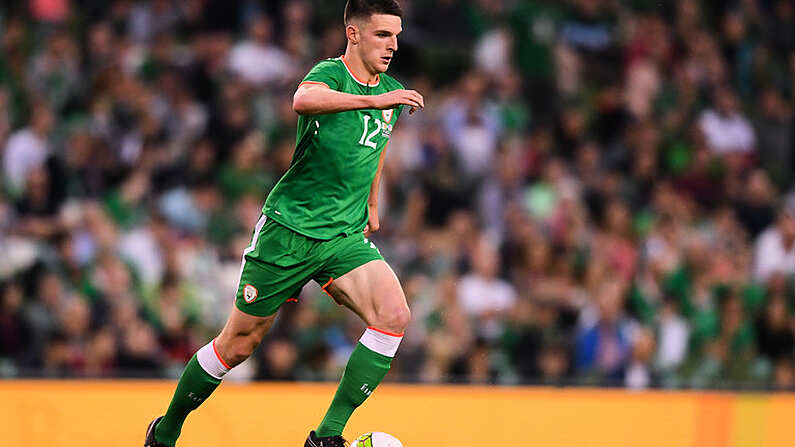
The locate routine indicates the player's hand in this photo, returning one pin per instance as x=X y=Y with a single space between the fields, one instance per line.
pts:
x=389 y=100
x=372 y=224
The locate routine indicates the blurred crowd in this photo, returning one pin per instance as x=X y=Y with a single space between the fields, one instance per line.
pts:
x=599 y=192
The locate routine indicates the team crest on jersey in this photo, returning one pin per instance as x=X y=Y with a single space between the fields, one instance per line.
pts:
x=249 y=293
x=387 y=115
x=386 y=130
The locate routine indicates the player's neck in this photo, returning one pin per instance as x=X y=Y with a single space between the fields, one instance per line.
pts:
x=359 y=70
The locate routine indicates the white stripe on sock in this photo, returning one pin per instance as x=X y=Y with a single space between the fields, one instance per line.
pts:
x=380 y=342
x=210 y=362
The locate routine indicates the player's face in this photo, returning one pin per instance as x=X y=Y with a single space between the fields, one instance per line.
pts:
x=378 y=42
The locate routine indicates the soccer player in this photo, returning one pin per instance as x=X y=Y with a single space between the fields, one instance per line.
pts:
x=314 y=226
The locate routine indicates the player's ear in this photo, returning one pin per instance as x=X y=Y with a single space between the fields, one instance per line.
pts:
x=352 y=32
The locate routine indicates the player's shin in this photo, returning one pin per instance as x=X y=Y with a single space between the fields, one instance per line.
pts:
x=367 y=366
x=200 y=378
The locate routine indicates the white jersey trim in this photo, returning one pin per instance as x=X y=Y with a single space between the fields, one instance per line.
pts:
x=345 y=64
x=249 y=249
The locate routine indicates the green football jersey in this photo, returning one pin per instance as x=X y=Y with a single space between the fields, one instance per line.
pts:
x=324 y=192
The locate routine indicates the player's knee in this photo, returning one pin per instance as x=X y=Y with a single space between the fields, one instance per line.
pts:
x=404 y=317
x=242 y=349
x=237 y=349
x=395 y=319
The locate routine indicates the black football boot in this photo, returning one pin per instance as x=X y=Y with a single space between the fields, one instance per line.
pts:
x=329 y=441
x=150 y=435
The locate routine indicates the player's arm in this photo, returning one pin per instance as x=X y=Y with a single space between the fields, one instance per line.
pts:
x=315 y=98
x=373 y=224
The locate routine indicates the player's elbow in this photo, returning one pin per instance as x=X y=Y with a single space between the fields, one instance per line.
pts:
x=306 y=101
x=300 y=105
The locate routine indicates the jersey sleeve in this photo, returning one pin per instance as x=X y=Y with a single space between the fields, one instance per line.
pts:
x=325 y=72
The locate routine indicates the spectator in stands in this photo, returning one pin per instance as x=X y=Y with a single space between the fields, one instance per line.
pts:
x=603 y=345
x=27 y=149
x=775 y=248
x=482 y=294
x=726 y=129
x=258 y=60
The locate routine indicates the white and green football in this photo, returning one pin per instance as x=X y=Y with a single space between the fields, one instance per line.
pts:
x=376 y=439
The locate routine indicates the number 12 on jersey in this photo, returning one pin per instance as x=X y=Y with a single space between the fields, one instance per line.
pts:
x=369 y=141
x=367 y=138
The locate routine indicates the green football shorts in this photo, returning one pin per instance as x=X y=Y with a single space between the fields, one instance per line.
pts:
x=279 y=262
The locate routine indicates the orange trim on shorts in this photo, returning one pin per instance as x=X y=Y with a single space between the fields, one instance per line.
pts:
x=219 y=356
x=384 y=332
x=292 y=300
x=314 y=82
x=323 y=288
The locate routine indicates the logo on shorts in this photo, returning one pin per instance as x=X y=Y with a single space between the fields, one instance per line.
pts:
x=249 y=293
x=387 y=115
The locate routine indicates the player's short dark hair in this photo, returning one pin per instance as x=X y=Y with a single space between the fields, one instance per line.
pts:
x=363 y=9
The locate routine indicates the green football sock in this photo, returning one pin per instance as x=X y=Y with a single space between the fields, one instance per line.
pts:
x=194 y=387
x=364 y=371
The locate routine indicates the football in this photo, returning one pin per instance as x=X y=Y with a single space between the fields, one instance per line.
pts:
x=376 y=439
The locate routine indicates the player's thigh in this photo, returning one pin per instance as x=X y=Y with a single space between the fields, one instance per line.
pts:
x=373 y=291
